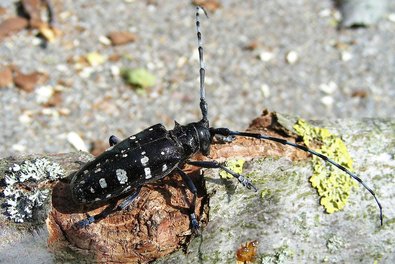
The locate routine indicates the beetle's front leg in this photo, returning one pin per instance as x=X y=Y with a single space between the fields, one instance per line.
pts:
x=213 y=164
x=192 y=188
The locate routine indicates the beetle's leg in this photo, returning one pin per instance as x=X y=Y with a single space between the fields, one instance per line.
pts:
x=213 y=164
x=95 y=218
x=227 y=132
x=128 y=200
x=192 y=188
x=113 y=140
x=112 y=208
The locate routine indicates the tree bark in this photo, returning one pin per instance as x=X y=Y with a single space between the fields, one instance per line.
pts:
x=284 y=216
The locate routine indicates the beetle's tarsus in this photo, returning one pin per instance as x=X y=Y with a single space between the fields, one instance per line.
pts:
x=85 y=222
x=194 y=221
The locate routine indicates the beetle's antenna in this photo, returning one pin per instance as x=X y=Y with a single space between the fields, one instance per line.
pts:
x=202 y=71
x=227 y=132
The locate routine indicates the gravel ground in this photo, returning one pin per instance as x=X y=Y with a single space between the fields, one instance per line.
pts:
x=332 y=65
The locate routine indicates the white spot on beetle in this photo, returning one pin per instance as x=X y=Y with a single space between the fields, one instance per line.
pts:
x=98 y=170
x=124 y=155
x=164 y=167
x=162 y=153
x=108 y=195
x=150 y=129
x=132 y=137
x=82 y=182
x=92 y=190
x=121 y=176
x=143 y=153
x=97 y=199
x=144 y=160
x=147 y=172
x=103 y=183
x=86 y=171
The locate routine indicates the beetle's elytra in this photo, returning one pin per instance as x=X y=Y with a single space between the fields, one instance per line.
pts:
x=156 y=152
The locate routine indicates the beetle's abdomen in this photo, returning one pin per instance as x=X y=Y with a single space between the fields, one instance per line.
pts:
x=146 y=156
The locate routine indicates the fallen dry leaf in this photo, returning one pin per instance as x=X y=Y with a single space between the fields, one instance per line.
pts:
x=359 y=93
x=28 y=82
x=5 y=77
x=11 y=26
x=121 y=37
x=209 y=5
x=33 y=11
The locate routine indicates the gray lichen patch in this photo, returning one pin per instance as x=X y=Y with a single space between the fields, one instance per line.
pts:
x=25 y=187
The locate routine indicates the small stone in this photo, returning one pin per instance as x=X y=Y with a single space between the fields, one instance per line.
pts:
x=76 y=141
x=64 y=111
x=325 y=12
x=121 y=38
x=345 y=56
x=18 y=147
x=44 y=93
x=104 y=40
x=328 y=88
x=95 y=59
x=11 y=26
x=25 y=118
x=327 y=100
x=391 y=17
x=266 y=56
x=265 y=90
x=115 y=70
x=5 y=77
x=291 y=57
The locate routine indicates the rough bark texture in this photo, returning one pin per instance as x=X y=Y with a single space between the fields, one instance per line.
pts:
x=284 y=216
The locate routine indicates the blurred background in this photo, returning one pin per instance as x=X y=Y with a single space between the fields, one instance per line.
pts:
x=116 y=67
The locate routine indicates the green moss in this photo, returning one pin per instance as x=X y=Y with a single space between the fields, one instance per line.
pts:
x=333 y=185
x=235 y=165
x=334 y=244
x=281 y=255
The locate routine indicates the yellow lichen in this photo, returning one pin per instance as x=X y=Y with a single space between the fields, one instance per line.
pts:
x=235 y=165
x=333 y=185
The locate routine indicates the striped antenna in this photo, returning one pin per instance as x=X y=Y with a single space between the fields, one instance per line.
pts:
x=202 y=71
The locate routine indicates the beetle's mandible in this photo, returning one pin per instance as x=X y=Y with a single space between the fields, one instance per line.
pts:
x=156 y=152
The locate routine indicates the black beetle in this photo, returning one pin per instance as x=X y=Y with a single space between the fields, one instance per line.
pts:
x=156 y=152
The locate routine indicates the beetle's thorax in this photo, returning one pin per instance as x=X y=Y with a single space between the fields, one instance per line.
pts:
x=194 y=137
